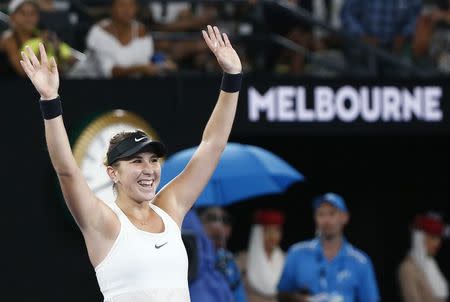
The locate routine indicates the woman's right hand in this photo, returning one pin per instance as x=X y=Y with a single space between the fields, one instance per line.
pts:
x=43 y=74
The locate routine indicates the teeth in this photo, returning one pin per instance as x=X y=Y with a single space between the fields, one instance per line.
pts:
x=145 y=182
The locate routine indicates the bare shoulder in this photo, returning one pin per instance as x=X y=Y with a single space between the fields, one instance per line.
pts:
x=406 y=267
x=166 y=201
x=7 y=38
x=8 y=45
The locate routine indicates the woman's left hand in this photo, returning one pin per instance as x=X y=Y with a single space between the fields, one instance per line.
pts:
x=43 y=74
x=221 y=47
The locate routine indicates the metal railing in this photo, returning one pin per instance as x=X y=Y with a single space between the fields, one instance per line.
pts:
x=371 y=53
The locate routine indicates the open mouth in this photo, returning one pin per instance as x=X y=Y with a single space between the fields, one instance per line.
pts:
x=146 y=183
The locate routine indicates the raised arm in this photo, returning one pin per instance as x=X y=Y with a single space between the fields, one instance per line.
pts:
x=89 y=212
x=180 y=194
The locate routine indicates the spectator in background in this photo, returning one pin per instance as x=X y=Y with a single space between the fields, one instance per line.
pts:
x=217 y=225
x=326 y=45
x=419 y=275
x=184 y=17
x=432 y=38
x=327 y=11
x=24 y=19
x=281 y=22
x=207 y=283
x=181 y=16
x=262 y=263
x=122 y=46
x=328 y=268
x=387 y=24
x=55 y=16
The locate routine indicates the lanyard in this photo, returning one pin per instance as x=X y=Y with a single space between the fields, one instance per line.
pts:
x=323 y=271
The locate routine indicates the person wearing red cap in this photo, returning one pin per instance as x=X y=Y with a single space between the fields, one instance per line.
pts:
x=419 y=275
x=263 y=262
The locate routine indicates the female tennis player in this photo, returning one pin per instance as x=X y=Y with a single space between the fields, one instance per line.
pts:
x=135 y=244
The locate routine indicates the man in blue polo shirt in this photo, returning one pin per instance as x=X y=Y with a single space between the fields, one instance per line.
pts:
x=328 y=268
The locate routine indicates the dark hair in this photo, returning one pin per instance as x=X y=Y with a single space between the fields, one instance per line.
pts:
x=119 y=137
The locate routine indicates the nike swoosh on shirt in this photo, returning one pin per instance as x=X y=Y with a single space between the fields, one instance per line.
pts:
x=139 y=139
x=159 y=246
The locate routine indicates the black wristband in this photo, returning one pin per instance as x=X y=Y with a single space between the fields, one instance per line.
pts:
x=231 y=82
x=51 y=108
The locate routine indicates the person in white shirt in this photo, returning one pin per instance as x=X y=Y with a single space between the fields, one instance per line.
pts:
x=122 y=46
x=135 y=244
x=420 y=278
x=263 y=262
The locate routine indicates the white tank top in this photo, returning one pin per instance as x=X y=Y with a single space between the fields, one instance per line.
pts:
x=143 y=266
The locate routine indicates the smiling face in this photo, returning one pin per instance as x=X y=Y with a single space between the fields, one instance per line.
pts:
x=136 y=177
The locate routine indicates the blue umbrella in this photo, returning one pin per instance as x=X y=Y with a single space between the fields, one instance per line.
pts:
x=243 y=171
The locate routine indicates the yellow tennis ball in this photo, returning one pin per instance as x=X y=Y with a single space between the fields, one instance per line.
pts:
x=64 y=49
x=33 y=44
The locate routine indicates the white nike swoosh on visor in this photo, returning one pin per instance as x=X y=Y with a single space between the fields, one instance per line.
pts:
x=139 y=139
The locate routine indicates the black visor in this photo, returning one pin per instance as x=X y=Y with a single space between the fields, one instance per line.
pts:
x=134 y=144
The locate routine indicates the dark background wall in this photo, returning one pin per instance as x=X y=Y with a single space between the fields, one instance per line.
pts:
x=385 y=179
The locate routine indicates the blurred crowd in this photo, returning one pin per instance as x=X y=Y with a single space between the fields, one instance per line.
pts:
x=326 y=268
x=117 y=38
